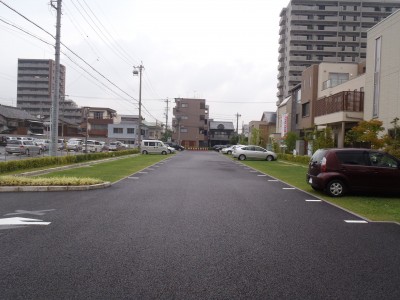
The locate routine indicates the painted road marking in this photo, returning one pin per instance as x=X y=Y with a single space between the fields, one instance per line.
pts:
x=21 y=221
x=253 y=171
x=273 y=180
x=29 y=212
x=262 y=175
x=143 y=172
x=133 y=177
x=356 y=221
x=313 y=200
x=288 y=188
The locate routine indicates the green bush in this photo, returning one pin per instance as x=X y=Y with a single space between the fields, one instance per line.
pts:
x=40 y=162
x=302 y=159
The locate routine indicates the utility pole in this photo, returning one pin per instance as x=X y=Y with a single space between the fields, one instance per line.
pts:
x=56 y=98
x=166 y=116
x=237 y=123
x=135 y=72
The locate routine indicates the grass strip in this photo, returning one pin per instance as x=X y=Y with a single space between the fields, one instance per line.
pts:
x=111 y=171
x=372 y=207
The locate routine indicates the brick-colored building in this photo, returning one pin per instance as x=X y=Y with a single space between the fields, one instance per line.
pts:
x=190 y=122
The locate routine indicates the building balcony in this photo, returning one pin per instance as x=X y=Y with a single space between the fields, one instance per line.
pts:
x=347 y=101
x=281 y=48
x=281 y=66
x=100 y=121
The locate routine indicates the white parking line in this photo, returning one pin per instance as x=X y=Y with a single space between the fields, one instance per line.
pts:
x=262 y=175
x=313 y=200
x=288 y=188
x=273 y=180
x=253 y=171
x=356 y=221
x=143 y=172
x=133 y=177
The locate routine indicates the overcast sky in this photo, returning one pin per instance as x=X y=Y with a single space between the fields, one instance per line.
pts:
x=224 y=51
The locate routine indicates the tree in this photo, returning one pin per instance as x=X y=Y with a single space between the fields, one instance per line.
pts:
x=392 y=139
x=255 y=136
x=290 y=141
x=323 y=138
x=366 y=132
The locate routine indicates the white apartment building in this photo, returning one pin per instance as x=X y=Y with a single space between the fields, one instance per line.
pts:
x=382 y=92
x=314 y=31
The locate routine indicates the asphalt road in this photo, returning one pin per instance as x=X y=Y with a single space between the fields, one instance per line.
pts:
x=196 y=226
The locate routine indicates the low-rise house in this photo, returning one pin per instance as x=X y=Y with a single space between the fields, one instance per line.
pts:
x=17 y=121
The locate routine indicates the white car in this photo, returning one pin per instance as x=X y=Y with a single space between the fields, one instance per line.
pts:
x=117 y=145
x=253 y=152
x=74 y=145
x=170 y=149
x=229 y=150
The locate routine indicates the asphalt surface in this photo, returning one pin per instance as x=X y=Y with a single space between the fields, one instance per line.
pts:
x=196 y=226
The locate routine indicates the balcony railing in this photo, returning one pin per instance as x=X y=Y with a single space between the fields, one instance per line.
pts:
x=349 y=101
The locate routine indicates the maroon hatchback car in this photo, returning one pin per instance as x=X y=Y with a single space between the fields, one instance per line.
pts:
x=338 y=171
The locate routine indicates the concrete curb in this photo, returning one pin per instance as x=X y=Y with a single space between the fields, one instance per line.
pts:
x=53 y=188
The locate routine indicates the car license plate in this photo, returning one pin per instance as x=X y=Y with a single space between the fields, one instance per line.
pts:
x=310 y=181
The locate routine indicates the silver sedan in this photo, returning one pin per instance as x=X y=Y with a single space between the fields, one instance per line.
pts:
x=253 y=152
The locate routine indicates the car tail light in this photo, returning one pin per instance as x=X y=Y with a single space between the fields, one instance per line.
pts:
x=323 y=164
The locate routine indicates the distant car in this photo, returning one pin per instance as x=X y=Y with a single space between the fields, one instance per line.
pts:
x=116 y=146
x=22 y=147
x=61 y=144
x=219 y=147
x=229 y=150
x=170 y=149
x=339 y=171
x=175 y=146
x=74 y=145
x=253 y=152
x=3 y=141
x=92 y=146
x=45 y=144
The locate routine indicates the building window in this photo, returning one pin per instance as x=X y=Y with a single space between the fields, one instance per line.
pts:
x=305 y=109
x=184 y=105
x=118 y=130
x=202 y=105
x=98 y=115
x=184 y=130
x=377 y=71
x=131 y=130
x=310 y=17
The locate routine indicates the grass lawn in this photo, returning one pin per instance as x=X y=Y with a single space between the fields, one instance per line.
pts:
x=372 y=207
x=111 y=171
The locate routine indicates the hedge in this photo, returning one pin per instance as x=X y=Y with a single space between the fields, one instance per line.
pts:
x=39 y=162
x=302 y=159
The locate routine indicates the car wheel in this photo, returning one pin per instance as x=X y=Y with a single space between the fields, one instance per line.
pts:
x=144 y=152
x=40 y=152
x=270 y=158
x=229 y=152
x=241 y=157
x=164 y=153
x=169 y=151
x=336 y=188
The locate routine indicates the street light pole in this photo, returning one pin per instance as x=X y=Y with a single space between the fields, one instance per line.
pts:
x=135 y=72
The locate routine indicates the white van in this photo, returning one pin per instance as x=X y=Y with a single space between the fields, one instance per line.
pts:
x=153 y=146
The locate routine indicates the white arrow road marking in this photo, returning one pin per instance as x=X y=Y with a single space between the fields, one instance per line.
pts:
x=22 y=221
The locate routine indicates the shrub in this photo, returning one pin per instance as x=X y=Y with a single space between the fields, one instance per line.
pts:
x=302 y=159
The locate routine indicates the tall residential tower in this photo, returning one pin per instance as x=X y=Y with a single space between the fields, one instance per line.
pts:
x=312 y=31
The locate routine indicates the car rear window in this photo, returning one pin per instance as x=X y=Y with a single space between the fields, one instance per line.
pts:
x=352 y=157
x=318 y=156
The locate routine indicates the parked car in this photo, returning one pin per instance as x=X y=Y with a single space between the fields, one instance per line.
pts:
x=175 y=146
x=45 y=144
x=3 y=141
x=116 y=146
x=154 y=147
x=219 y=147
x=92 y=146
x=339 y=171
x=74 y=145
x=170 y=149
x=229 y=150
x=22 y=147
x=61 y=144
x=253 y=152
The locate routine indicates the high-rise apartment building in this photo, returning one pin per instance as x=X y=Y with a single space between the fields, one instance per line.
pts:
x=36 y=88
x=312 y=31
